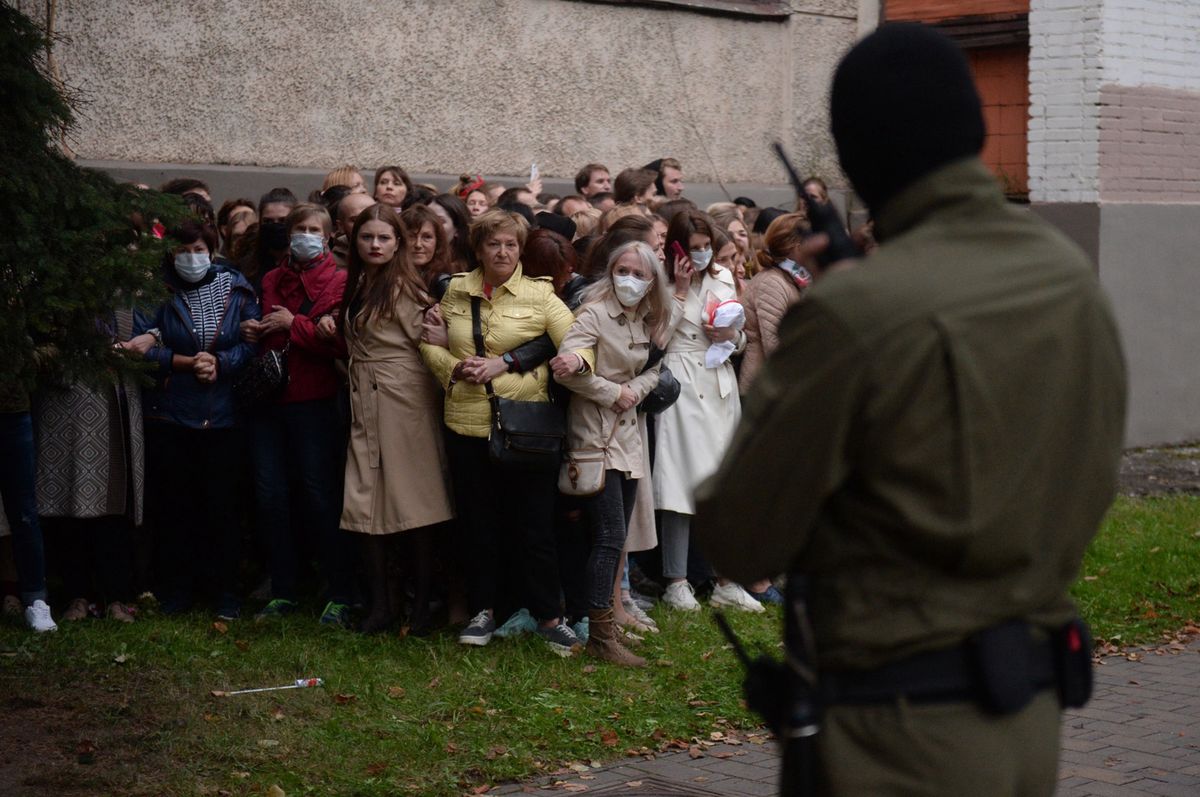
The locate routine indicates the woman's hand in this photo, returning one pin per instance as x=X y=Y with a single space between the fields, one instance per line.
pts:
x=481 y=370
x=720 y=334
x=278 y=320
x=626 y=400
x=433 y=328
x=139 y=344
x=563 y=365
x=327 y=328
x=683 y=276
x=204 y=366
x=251 y=330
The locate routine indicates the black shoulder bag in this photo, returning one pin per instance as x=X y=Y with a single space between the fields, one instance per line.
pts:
x=266 y=376
x=525 y=434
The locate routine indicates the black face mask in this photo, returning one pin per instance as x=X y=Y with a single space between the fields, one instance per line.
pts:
x=273 y=235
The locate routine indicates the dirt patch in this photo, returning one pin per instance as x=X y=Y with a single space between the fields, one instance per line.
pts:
x=1158 y=471
x=80 y=737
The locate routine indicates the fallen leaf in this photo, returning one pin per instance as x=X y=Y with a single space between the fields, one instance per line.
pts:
x=608 y=738
x=86 y=750
x=241 y=775
x=706 y=655
x=378 y=768
x=716 y=736
x=396 y=691
x=496 y=751
x=694 y=752
x=220 y=627
x=241 y=645
x=588 y=669
x=574 y=787
x=579 y=767
x=341 y=699
x=277 y=715
x=721 y=754
x=435 y=683
x=451 y=748
x=483 y=789
x=275 y=791
x=121 y=659
x=268 y=742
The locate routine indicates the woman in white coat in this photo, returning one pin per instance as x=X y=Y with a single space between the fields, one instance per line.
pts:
x=691 y=435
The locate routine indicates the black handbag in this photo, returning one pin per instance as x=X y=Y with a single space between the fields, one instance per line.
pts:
x=263 y=380
x=527 y=435
x=266 y=376
x=665 y=392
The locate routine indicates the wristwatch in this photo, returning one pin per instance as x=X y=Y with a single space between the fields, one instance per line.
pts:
x=510 y=361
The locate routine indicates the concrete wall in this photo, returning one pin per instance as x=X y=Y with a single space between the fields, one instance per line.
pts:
x=1148 y=266
x=445 y=87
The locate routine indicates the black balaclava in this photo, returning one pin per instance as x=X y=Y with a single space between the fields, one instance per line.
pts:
x=903 y=103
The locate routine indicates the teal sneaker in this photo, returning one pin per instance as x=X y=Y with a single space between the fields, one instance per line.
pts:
x=337 y=614
x=582 y=629
x=280 y=607
x=521 y=622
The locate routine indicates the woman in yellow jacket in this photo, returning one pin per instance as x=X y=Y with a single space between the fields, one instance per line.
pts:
x=494 y=503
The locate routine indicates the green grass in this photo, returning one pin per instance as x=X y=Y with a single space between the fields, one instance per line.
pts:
x=411 y=716
x=1141 y=575
x=426 y=716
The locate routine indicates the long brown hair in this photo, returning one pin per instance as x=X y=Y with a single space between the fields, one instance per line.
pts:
x=374 y=295
x=413 y=220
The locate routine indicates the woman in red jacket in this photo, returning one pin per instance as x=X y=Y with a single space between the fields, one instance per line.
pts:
x=298 y=443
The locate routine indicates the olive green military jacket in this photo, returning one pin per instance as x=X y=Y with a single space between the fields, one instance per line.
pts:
x=936 y=439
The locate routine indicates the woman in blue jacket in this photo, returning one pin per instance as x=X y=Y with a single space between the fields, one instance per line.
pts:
x=192 y=427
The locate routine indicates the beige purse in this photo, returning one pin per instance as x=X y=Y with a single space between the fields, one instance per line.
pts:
x=582 y=470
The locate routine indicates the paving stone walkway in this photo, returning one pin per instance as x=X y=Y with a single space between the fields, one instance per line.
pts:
x=1140 y=735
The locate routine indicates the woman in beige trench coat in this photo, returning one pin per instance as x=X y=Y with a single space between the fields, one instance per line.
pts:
x=396 y=473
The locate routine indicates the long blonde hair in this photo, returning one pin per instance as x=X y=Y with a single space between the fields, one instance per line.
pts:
x=657 y=299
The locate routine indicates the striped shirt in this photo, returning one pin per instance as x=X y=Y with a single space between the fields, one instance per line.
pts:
x=206 y=304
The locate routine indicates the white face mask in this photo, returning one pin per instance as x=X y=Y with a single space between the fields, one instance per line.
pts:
x=192 y=266
x=630 y=289
x=307 y=245
x=701 y=259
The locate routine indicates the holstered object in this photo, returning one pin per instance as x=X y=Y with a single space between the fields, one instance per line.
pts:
x=525 y=434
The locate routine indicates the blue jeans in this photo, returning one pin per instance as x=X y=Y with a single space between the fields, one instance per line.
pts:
x=299 y=456
x=19 y=494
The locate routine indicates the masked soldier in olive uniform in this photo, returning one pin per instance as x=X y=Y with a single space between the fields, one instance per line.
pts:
x=933 y=444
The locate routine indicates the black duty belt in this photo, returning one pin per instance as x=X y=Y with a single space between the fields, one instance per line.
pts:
x=1000 y=669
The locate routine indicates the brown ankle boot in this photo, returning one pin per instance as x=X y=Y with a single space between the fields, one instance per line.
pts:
x=604 y=640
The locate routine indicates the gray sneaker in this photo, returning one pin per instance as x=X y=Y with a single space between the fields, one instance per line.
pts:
x=561 y=639
x=479 y=631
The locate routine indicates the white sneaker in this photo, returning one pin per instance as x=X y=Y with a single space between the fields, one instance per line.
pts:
x=732 y=596
x=679 y=595
x=38 y=617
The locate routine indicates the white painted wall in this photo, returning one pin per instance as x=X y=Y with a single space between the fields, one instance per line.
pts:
x=1151 y=43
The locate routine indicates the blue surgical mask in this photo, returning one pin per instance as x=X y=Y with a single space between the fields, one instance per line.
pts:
x=701 y=259
x=192 y=266
x=307 y=245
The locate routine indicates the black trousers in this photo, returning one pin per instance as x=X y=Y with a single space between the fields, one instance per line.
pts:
x=197 y=528
x=93 y=555
x=609 y=514
x=502 y=508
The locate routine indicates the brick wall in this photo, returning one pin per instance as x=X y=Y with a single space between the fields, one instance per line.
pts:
x=1064 y=89
x=1114 y=101
x=1002 y=77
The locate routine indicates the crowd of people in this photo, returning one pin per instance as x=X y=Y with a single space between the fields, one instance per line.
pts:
x=334 y=387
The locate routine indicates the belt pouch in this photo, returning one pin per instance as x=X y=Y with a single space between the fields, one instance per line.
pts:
x=1002 y=657
x=1072 y=645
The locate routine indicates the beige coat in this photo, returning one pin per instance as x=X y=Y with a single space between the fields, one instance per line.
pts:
x=620 y=342
x=396 y=472
x=691 y=434
x=767 y=298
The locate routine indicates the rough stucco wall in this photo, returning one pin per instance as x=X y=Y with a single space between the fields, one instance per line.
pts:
x=446 y=87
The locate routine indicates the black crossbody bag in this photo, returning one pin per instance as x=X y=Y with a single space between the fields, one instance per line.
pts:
x=527 y=435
